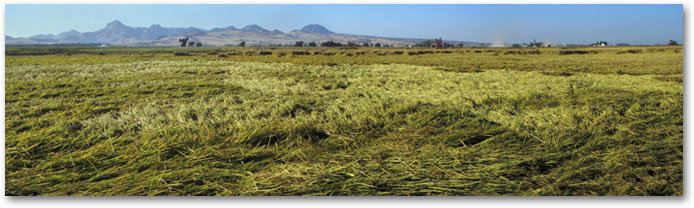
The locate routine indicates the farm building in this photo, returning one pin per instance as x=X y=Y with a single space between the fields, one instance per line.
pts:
x=438 y=43
x=600 y=44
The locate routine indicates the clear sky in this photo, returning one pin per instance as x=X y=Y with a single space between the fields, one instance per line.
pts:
x=564 y=24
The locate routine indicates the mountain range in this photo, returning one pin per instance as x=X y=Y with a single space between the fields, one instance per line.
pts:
x=116 y=33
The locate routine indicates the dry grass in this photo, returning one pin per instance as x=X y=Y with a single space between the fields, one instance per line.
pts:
x=172 y=125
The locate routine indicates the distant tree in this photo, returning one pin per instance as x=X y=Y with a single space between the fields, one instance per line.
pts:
x=242 y=44
x=672 y=42
x=377 y=45
x=516 y=45
x=191 y=43
x=330 y=44
x=535 y=44
x=460 y=45
x=365 y=45
x=299 y=44
x=198 y=44
x=183 y=41
x=352 y=44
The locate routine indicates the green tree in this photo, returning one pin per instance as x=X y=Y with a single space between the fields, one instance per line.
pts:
x=312 y=44
x=242 y=44
x=183 y=41
x=330 y=44
x=299 y=44
x=672 y=42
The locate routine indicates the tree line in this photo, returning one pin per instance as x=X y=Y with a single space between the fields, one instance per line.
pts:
x=185 y=41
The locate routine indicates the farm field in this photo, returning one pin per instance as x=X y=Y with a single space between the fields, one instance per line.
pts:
x=364 y=121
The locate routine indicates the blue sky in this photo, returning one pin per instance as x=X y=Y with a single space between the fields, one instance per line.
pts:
x=634 y=24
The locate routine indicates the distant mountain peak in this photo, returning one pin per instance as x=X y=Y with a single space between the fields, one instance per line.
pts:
x=71 y=32
x=115 y=24
x=254 y=28
x=316 y=28
x=230 y=27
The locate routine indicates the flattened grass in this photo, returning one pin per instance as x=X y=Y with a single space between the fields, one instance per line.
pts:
x=215 y=127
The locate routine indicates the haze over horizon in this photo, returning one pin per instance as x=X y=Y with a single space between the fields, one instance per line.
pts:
x=563 y=24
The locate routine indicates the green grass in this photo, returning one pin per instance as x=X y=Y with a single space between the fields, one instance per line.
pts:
x=605 y=123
